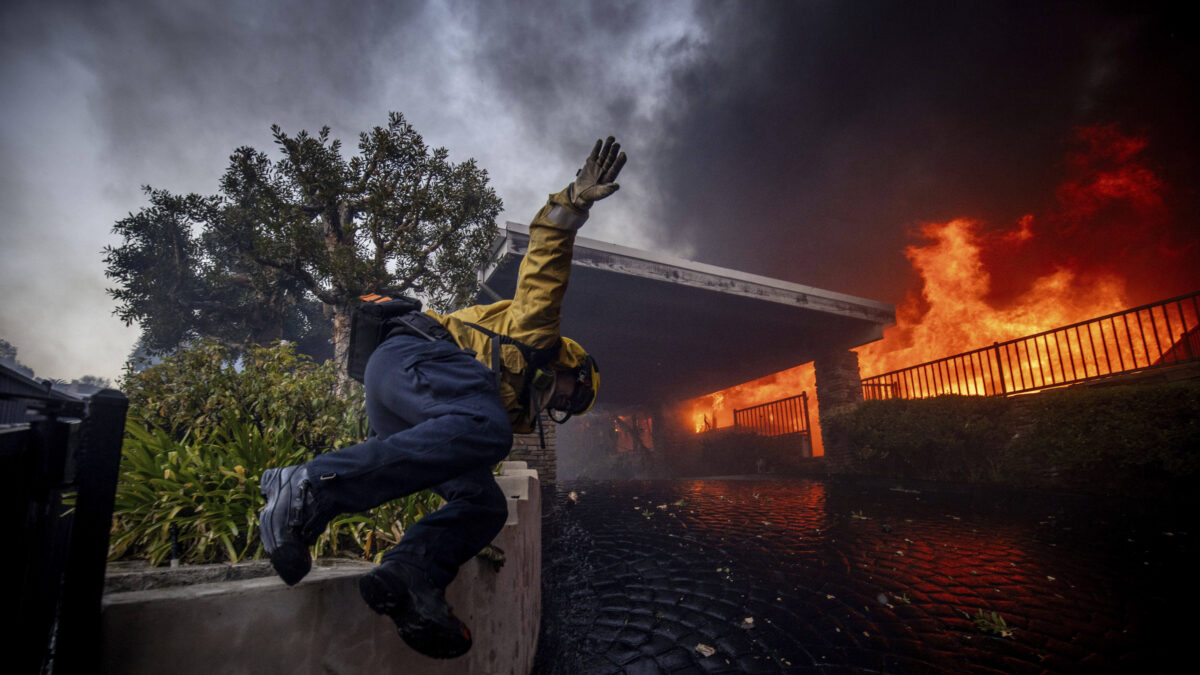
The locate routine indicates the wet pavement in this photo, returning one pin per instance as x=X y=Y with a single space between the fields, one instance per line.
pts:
x=782 y=576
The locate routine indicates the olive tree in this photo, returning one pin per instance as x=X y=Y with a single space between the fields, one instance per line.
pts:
x=287 y=246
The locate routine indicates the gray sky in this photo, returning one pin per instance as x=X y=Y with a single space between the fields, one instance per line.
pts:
x=802 y=140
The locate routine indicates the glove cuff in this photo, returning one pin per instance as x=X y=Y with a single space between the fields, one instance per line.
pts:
x=566 y=217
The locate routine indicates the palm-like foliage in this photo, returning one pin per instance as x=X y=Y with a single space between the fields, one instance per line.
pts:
x=201 y=430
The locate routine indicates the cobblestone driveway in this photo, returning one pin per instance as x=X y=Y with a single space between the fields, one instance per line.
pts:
x=797 y=576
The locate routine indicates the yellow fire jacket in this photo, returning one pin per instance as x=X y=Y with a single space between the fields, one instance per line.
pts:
x=533 y=315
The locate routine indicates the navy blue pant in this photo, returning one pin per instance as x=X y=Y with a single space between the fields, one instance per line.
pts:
x=439 y=424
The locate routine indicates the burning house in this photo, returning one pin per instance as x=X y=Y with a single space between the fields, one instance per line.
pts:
x=689 y=348
x=666 y=330
x=1071 y=291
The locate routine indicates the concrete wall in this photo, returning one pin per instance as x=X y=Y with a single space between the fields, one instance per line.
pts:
x=321 y=625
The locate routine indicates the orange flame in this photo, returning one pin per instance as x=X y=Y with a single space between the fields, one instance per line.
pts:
x=952 y=313
x=715 y=410
x=979 y=286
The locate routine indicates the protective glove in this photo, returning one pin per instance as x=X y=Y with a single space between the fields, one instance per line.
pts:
x=596 y=179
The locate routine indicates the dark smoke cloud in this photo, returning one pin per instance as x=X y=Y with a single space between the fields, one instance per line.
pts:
x=561 y=61
x=802 y=140
x=581 y=70
x=813 y=136
x=177 y=75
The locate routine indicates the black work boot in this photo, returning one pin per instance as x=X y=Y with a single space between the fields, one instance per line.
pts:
x=419 y=609
x=290 y=522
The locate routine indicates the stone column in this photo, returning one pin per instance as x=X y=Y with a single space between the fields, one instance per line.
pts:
x=839 y=385
x=528 y=448
x=660 y=427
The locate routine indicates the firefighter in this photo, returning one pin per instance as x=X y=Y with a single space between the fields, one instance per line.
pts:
x=444 y=395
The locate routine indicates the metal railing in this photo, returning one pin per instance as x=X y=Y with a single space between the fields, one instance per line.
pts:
x=1157 y=335
x=776 y=418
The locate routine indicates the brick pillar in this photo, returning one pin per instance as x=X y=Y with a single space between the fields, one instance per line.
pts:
x=528 y=448
x=660 y=421
x=839 y=385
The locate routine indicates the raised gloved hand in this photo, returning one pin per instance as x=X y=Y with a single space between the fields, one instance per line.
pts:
x=596 y=179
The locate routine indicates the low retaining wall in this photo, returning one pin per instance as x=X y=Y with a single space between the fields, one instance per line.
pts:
x=321 y=625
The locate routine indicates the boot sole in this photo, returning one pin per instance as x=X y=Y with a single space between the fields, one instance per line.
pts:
x=429 y=638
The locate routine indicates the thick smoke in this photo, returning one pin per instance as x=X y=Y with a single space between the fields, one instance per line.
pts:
x=815 y=137
x=802 y=140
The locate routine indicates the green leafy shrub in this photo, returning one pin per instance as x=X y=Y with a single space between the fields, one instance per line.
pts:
x=1133 y=437
x=1127 y=440
x=201 y=431
x=959 y=438
x=202 y=388
x=207 y=487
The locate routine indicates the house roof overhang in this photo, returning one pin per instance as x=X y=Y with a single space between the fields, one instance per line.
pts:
x=666 y=329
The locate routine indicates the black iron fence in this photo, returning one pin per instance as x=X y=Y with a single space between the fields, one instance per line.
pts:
x=59 y=457
x=777 y=418
x=1158 y=335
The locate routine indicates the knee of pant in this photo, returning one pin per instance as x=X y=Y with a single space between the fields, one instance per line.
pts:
x=495 y=436
x=501 y=448
x=488 y=501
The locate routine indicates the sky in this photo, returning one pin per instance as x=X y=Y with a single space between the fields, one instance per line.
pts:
x=806 y=141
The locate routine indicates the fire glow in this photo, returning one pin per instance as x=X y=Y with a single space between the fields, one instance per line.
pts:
x=980 y=286
x=715 y=411
x=1063 y=263
x=952 y=312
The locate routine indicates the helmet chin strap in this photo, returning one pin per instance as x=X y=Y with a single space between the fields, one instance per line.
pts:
x=540 y=398
x=544 y=385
